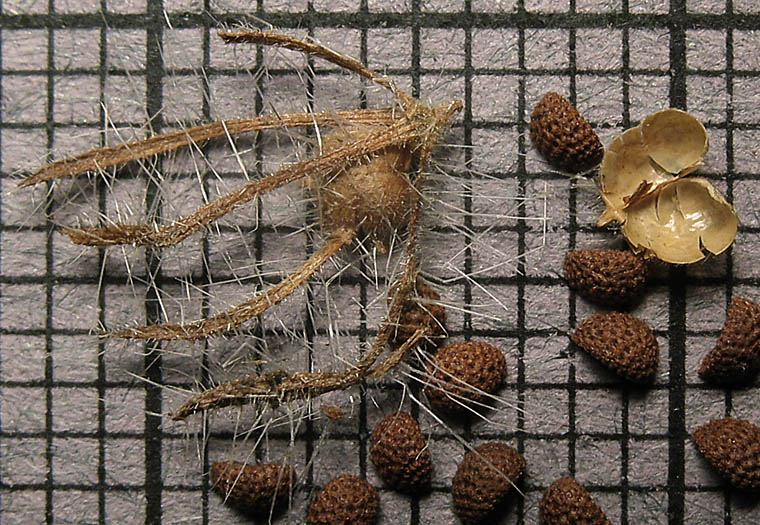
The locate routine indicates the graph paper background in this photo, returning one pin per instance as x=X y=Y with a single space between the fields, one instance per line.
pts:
x=78 y=441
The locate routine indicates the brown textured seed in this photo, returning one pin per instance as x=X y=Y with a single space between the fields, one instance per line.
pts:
x=621 y=342
x=422 y=311
x=733 y=447
x=735 y=360
x=606 y=277
x=567 y=502
x=399 y=452
x=347 y=499
x=483 y=479
x=255 y=489
x=563 y=136
x=480 y=365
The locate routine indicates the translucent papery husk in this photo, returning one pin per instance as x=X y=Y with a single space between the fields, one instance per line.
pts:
x=669 y=143
x=681 y=222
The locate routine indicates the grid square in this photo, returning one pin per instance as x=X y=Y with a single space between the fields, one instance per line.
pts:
x=23 y=409
x=70 y=53
x=125 y=506
x=548 y=360
x=392 y=6
x=746 y=44
x=19 y=505
x=705 y=307
x=649 y=49
x=594 y=6
x=648 y=462
x=389 y=46
x=125 y=98
x=708 y=99
x=183 y=48
x=441 y=6
x=494 y=98
x=659 y=7
x=75 y=506
x=14 y=7
x=746 y=158
x=336 y=5
x=705 y=49
x=22 y=306
x=600 y=99
x=547 y=307
x=77 y=6
x=74 y=461
x=183 y=98
x=698 y=472
x=494 y=6
x=598 y=411
x=646 y=412
x=546 y=411
x=441 y=48
x=20 y=105
x=75 y=306
x=24 y=461
x=705 y=6
x=495 y=49
x=593 y=49
x=553 y=464
x=746 y=6
x=125 y=49
x=131 y=7
x=75 y=358
x=597 y=461
x=744 y=101
x=77 y=100
x=75 y=409
x=124 y=410
x=547 y=6
x=24 y=50
x=647 y=94
x=546 y=49
x=125 y=462
x=704 y=507
x=646 y=507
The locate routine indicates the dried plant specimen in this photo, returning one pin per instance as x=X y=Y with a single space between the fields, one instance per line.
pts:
x=366 y=181
x=662 y=214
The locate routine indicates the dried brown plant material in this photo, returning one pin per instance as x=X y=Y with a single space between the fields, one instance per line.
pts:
x=732 y=446
x=345 y=499
x=332 y=412
x=563 y=136
x=483 y=478
x=623 y=343
x=421 y=311
x=462 y=374
x=662 y=214
x=567 y=502
x=735 y=360
x=606 y=277
x=367 y=181
x=259 y=490
x=399 y=452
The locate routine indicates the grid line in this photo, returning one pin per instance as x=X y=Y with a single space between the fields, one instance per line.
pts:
x=677 y=282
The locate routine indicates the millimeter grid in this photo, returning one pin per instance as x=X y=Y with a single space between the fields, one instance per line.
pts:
x=627 y=500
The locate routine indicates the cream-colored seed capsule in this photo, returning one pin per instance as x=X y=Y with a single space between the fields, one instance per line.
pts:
x=663 y=214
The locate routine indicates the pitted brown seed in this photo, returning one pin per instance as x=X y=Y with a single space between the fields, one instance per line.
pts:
x=563 y=136
x=255 y=489
x=622 y=342
x=735 y=360
x=606 y=277
x=483 y=479
x=567 y=502
x=480 y=365
x=732 y=446
x=346 y=499
x=398 y=451
x=422 y=311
